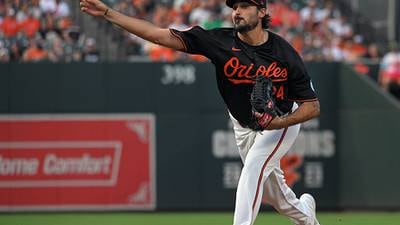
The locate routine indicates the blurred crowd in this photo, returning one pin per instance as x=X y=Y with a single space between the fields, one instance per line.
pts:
x=36 y=30
x=317 y=29
x=389 y=72
x=41 y=30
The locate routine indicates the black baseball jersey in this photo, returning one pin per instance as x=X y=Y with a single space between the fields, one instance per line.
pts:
x=238 y=63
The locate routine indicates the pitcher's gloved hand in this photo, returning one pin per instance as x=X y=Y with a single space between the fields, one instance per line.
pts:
x=262 y=103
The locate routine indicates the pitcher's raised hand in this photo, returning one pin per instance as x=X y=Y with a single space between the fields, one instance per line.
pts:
x=93 y=7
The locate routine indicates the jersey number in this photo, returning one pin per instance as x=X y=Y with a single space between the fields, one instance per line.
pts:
x=279 y=92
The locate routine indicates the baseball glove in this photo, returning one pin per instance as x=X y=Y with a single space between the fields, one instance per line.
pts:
x=262 y=103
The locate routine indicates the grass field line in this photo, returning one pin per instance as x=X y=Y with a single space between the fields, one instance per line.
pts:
x=186 y=218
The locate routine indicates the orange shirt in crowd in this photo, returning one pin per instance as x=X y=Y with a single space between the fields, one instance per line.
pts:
x=9 y=26
x=298 y=43
x=158 y=53
x=64 y=23
x=34 y=54
x=30 y=26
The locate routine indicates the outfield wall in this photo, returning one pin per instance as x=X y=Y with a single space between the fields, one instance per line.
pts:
x=369 y=123
x=175 y=140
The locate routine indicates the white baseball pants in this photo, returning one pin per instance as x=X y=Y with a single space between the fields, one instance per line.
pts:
x=261 y=153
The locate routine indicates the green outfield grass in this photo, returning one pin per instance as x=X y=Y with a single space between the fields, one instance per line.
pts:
x=365 y=218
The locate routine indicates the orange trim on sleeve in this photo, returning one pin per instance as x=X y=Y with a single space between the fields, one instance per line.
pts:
x=180 y=38
x=303 y=100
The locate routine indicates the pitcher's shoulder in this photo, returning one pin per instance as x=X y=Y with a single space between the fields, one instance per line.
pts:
x=223 y=31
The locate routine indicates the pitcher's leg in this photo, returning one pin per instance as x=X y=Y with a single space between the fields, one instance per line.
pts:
x=283 y=199
x=248 y=194
x=267 y=150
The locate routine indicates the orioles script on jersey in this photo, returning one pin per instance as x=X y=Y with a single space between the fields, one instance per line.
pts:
x=238 y=73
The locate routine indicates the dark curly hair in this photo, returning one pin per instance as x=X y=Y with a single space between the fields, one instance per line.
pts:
x=265 y=21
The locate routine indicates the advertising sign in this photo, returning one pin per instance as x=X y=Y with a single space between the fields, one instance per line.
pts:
x=72 y=162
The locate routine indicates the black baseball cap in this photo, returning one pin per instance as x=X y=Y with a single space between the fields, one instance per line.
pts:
x=258 y=3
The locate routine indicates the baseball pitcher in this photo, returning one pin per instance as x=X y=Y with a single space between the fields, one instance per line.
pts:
x=267 y=92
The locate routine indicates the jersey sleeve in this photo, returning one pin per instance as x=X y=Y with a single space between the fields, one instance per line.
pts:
x=300 y=85
x=196 y=40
